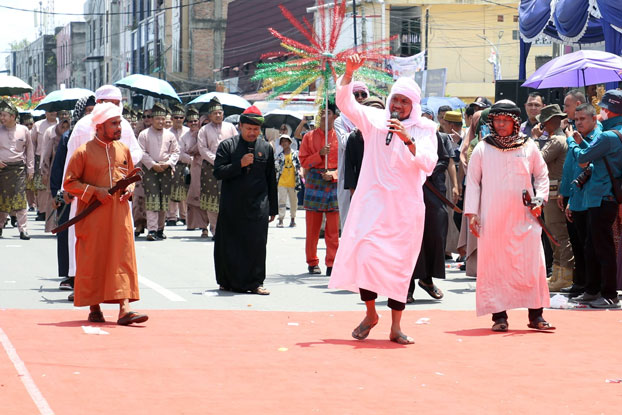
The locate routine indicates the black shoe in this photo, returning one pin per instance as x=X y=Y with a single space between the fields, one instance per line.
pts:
x=152 y=236
x=31 y=209
x=171 y=222
x=160 y=234
x=0 y=232
x=24 y=236
x=329 y=270
x=70 y=297
x=573 y=289
x=14 y=221
x=410 y=299
x=40 y=217
x=66 y=284
x=314 y=269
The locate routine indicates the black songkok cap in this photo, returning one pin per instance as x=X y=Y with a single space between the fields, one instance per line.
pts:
x=158 y=110
x=504 y=106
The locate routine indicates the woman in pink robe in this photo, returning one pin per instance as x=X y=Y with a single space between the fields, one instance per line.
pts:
x=381 y=239
x=511 y=271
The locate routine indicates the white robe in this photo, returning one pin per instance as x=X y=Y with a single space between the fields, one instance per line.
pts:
x=381 y=239
x=343 y=127
x=511 y=271
x=82 y=132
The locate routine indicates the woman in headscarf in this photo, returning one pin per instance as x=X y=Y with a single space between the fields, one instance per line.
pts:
x=511 y=270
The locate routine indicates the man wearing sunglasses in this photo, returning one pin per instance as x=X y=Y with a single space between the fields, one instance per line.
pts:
x=177 y=205
x=343 y=128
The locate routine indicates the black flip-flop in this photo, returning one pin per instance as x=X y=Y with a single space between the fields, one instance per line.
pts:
x=540 y=324
x=96 y=317
x=432 y=290
x=363 y=331
x=131 y=318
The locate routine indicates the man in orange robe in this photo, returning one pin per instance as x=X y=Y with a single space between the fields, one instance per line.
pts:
x=106 y=260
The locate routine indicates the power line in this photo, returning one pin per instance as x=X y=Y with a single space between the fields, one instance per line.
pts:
x=97 y=14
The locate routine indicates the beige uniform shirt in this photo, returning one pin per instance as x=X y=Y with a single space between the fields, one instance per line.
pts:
x=36 y=135
x=158 y=147
x=16 y=146
x=210 y=136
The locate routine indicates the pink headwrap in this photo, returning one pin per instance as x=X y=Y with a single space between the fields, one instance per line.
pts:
x=359 y=86
x=105 y=111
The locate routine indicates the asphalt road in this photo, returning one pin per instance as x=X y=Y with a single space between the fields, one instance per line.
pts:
x=178 y=273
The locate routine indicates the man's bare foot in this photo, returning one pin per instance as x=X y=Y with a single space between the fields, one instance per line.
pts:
x=400 y=338
x=363 y=329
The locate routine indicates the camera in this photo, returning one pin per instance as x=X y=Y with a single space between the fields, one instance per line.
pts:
x=583 y=177
x=59 y=198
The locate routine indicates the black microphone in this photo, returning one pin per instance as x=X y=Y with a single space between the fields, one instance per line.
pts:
x=250 y=150
x=394 y=114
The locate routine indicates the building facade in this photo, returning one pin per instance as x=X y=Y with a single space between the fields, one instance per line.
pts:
x=36 y=64
x=70 y=55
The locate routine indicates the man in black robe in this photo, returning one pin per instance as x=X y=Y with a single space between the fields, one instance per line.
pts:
x=431 y=261
x=248 y=202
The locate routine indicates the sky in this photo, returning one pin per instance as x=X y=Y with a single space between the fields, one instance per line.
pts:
x=17 y=25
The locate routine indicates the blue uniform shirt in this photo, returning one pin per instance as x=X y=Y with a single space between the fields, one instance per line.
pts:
x=606 y=144
x=572 y=171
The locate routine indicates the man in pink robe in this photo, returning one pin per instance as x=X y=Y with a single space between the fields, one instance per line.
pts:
x=381 y=239
x=511 y=272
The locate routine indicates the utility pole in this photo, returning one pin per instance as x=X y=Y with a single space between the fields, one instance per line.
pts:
x=427 y=25
x=363 y=27
x=354 y=20
x=156 y=38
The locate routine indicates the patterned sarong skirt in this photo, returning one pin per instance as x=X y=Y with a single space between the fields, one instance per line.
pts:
x=320 y=195
x=210 y=191
x=157 y=189
x=13 y=187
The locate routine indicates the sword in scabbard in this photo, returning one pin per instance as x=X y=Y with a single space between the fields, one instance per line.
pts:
x=438 y=194
x=527 y=202
x=121 y=185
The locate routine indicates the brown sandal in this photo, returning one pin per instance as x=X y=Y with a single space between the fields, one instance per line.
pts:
x=362 y=330
x=260 y=291
x=432 y=290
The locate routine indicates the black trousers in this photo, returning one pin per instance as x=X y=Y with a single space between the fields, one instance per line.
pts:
x=534 y=313
x=600 y=251
x=62 y=242
x=367 y=295
x=577 y=231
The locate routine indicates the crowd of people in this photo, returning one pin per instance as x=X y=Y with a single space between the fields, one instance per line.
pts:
x=540 y=197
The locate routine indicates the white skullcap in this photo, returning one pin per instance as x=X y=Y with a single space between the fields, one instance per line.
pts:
x=105 y=111
x=108 y=92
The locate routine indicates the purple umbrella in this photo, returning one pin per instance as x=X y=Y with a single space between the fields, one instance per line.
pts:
x=585 y=67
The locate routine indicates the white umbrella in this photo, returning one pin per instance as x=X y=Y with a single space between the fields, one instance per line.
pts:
x=63 y=99
x=148 y=85
x=12 y=85
x=232 y=104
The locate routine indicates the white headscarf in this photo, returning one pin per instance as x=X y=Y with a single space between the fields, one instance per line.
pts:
x=409 y=88
x=103 y=112
x=108 y=92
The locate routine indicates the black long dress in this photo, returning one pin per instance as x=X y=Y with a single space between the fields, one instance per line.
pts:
x=248 y=197
x=431 y=261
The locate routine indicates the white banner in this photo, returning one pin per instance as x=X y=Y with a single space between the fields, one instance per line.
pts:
x=407 y=66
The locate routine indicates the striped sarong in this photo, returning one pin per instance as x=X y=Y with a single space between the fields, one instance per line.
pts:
x=320 y=195
x=157 y=189
x=13 y=187
x=210 y=191
x=179 y=188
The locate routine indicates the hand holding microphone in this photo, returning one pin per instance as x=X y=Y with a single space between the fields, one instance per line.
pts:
x=394 y=116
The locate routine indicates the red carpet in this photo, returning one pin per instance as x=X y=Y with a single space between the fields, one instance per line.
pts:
x=248 y=362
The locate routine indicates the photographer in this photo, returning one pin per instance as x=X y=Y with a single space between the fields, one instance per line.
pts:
x=600 y=291
x=572 y=189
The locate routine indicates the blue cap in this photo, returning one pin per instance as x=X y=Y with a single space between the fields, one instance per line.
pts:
x=427 y=110
x=612 y=101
